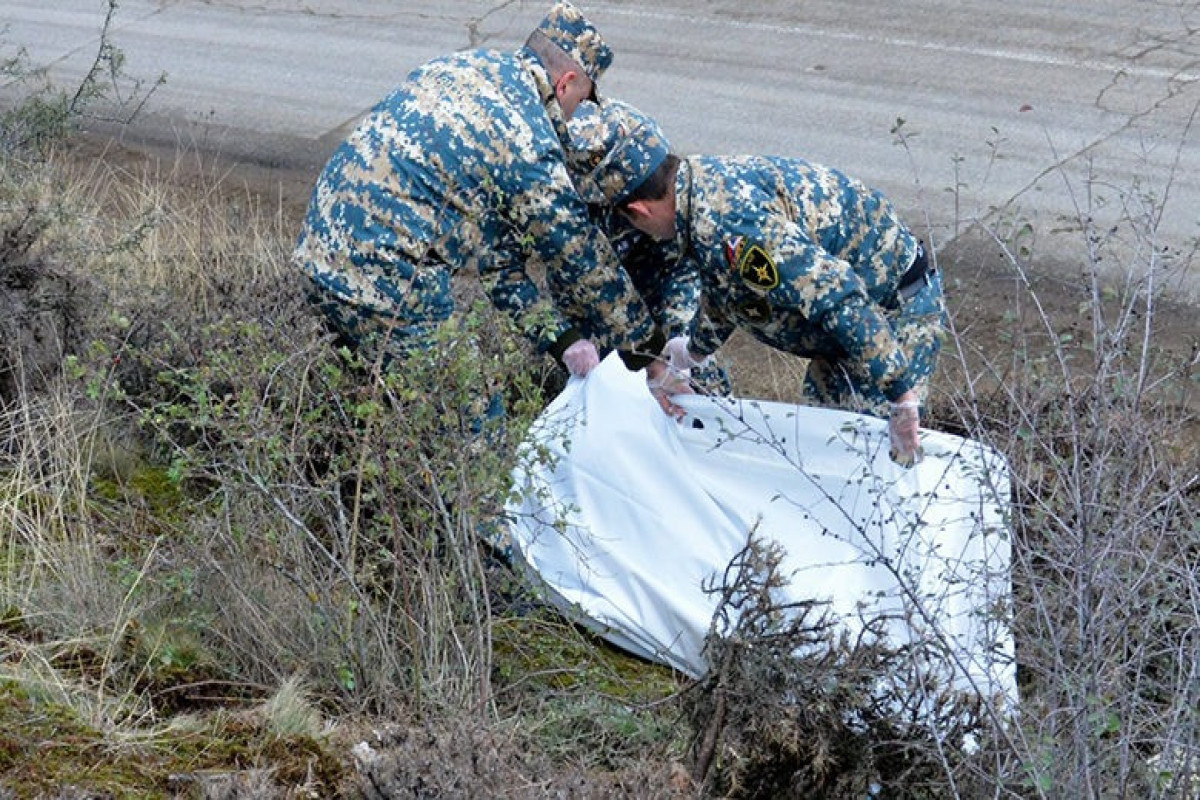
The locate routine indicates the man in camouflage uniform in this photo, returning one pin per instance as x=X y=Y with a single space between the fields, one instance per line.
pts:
x=805 y=258
x=596 y=130
x=461 y=166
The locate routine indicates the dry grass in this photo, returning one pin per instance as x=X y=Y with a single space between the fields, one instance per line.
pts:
x=206 y=507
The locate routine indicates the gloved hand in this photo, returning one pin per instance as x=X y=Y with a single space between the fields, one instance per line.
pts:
x=665 y=382
x=904 y=430
x=580 y=357
x=665 y=378
x=679 y=357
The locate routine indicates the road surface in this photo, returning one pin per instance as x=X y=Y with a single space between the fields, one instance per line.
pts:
x=1023 y=115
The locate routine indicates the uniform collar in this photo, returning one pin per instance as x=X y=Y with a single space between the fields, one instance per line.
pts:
x=545 y=88
x=683 y=206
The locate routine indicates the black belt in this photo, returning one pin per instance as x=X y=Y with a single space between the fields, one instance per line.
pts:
x=918 y=273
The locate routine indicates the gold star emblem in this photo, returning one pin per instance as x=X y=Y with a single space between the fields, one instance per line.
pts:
x=757 y=269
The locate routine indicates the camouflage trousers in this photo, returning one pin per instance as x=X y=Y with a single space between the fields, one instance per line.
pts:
x=383 y=339
x=919 y=325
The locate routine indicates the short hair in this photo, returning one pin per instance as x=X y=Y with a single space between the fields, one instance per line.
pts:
x=658 y=183
x=553 y=58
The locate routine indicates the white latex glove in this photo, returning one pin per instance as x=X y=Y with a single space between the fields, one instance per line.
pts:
x=665 y=382
x=679 y=357
x=662 y=377
x=581 y=357
x=904 y=431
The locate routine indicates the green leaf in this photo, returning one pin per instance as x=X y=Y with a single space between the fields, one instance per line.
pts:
x=345 y=677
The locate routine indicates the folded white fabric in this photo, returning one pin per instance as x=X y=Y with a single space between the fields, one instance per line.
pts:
x=625 y=516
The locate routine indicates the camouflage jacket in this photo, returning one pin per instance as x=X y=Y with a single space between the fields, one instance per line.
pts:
x=463 y=165
x=803 y=257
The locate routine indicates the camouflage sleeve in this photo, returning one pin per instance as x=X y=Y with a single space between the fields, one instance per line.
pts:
x=689 y=314
x=681 y=292
x=504 y=277
x=828 y=292
x=712 y=329
x=867 y=338
x=591 y=288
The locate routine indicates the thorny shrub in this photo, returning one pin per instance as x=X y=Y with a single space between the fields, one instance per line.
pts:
x=794 y=705
x=1098 y=422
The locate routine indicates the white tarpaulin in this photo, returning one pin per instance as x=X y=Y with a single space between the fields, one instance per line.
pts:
x=626 y=516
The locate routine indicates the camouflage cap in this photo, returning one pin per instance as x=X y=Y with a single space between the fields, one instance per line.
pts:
x=614 y=149
x=566 y=27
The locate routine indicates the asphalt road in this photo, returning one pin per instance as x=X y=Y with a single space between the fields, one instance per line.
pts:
x=1025 y=115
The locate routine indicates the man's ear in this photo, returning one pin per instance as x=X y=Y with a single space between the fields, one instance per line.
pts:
x=636 y=209
x=564 y=81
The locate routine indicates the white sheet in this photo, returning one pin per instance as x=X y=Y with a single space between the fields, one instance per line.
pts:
x=626 y=515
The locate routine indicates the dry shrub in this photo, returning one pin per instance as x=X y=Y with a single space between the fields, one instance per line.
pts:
x=1088 y=384
x=44 y=298
x=794 y=706
x=336 y=510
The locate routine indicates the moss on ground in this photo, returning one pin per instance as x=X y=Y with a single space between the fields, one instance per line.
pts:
x=543 y=651
x=147 y=486
x=46 y=748
x=583 y=699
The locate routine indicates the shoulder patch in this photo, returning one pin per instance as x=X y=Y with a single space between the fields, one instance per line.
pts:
x=757 y=269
